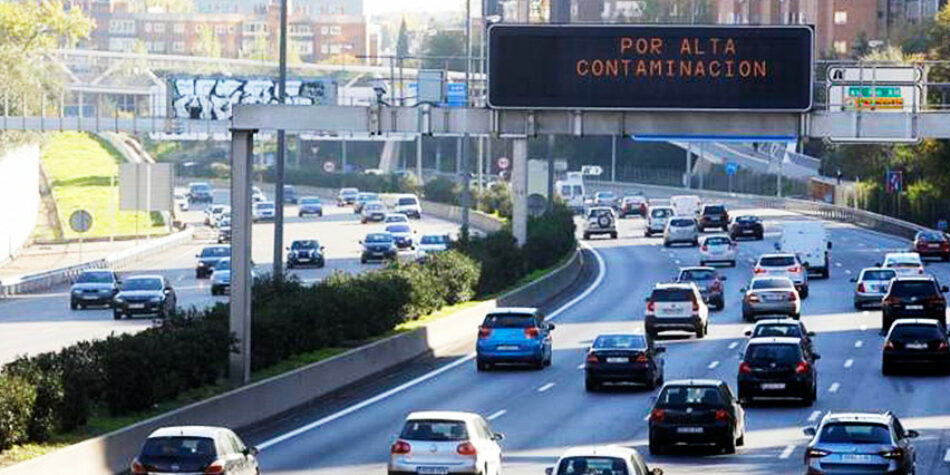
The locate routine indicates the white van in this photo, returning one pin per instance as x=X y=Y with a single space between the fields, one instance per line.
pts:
x=686 y=205
x=571 y=190
x=810 y=242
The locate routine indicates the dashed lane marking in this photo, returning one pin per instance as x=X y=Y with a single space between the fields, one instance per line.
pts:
x=858 y=344
x=834 y=388
x=677 y=262
x=496 y=415
x=733 y=345
x=814 y=416
x=713 y=365
x=847 y=271
x=946 y=456
x=545 y=387
x=848 y=363
x=864 y=328
x=581 y=366
x=787 y=452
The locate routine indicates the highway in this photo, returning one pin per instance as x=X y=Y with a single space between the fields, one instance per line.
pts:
x=35 y=323
x=542 y=413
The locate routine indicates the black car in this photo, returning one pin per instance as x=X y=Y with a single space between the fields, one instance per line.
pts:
x=913 y=297
x=144 y=294
x=778 y=367
x=93 y=287
x=305 y=252
x=714 y=216
x=694 y=412
x=932 y=244
x=746 y=226
x=916 y=343
x=623 y=358
x=224 y=231
x=378 y=247
x=208 y=258
x=200 y=193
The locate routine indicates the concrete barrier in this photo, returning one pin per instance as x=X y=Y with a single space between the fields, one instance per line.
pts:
x=20 y=195
x=111 y=453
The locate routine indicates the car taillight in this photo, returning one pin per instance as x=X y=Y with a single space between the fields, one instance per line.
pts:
x=705 y=248
x=793 y=296
x=531 y=333
x=722 y=415
x=641 y=358
x=657 y=415
x=484 y=332
x=888 y=345
x=695 y=306
x=716 y=285
x=651 y=306
x=592 y=357
x=753 y=298
x=744 y=368
x=943 y=346
x=816 y=453
x=137 y=468
x=861 y=287
x=937 y=300
x=893 y=454
x=795 y=269
x=400 y=448
x=759 y=270
x=216 y=468
x=466 y=448
x=891 y=301
x=802 y=367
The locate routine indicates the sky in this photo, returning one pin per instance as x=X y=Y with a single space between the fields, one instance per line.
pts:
x=373 y=7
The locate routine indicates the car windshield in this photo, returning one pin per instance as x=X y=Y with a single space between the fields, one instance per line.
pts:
x=366 y=196
x=660 y=213
x=592 y=466
x=195 y=188
x=142 y=284
x=349 y=191
x=620 y=342
x=509 y=320
x=310 y=201
x=770 y=353
x=596 y=213
x=304 y=245
x=913 y=288
x=714 y=210
x=902 y=261
x=398 y=228
x=434 y=430
x=179 y=447
x=678 y=396
x=265 y=206
x=407 y=201
x=855 y=433
x=225 y=264
x=778 y=331
x=681 y=223
x=777 y=261
x=916 y=332
x=697 y=274
x=765 y=284
x=931 y=236
x=379 y=238
x=718 y=241
x=672 y=295
x=103 y=277
x=885 y=274
x=433 y=239
x=216 y=252
x=605 y=195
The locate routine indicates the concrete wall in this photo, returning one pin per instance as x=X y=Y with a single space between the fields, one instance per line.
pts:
x=20 y=193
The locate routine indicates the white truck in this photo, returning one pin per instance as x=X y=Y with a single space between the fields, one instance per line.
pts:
x=810 y=241
x=686 y=205
x=571 y=189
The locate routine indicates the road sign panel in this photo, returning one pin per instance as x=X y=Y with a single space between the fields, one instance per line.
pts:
x=868 y=74
x=329 y=166
x=895 y=181
x=80 y=221
x=732 y=168
x=593 y=170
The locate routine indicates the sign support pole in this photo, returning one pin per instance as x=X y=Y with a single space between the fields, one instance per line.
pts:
x=689 y=165
x=239 y=364
x=519 y=185
x=419 y=158
x=281 y=152
x=613 y=158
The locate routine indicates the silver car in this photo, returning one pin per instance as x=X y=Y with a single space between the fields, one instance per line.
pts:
x=443 y=442
x=860 y=443
x=717 y=248
x=657 y=216
x=770 y=296
x=871 y=285
x=681 y=229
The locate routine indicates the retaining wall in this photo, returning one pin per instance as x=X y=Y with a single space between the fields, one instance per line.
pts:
x=20 y=193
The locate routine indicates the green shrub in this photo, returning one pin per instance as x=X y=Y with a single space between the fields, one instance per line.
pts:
x=550 y=238
x=456 y=274
x=45 y=375
x=442 y=190
x=17 y=397
x=502 y=262
x=496 y=199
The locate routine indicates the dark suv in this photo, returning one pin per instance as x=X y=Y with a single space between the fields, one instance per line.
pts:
x=200 y=193
x=208 y=258
x=914 y=297
x=714 y=216
x=747 y=225
x=696 y=411
x=778 y=367
x=916 y=343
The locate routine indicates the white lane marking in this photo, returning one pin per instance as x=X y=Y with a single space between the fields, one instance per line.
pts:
x=837 y=264
x=677 y=262
x=545 y=387
x=814 y=416
x=601 y=272
x=858 y=344
x=751 y=261
x=847 y=271
x=646 y=417
x=834 y=388
x=946 y=456
x=713 y=365
x=496 y=415
x=849 y=362
x=733 y=345
x=581 y=366
x=787 y=452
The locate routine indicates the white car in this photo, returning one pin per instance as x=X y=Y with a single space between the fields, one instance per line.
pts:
x=613 y=459
x=657 y=216
x=686 y=205
x=676 y=307
x=681 y=229
x=212 y=212
x=442 y=442
x=872 y=285
x=904 y=263
x=783 y=265
x=396 y=218
x=717 y=248
x=600 y=220
x=408 y=205
x=257 y=195
x=181 y=199
x=263 y=211
x=432 y=243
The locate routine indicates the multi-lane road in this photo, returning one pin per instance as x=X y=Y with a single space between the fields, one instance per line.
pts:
x=542 y=413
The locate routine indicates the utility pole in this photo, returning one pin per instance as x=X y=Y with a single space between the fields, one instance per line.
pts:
x=281 y=151
x=466 y=192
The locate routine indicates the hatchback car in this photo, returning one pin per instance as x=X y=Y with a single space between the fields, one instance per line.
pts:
x=696 y=411
x=860 y=443
x=362 y=199
x=290 y=194
x=932 y=244
x=904 y=263
x=378 y=247
x=714 y=216
x=633 y=205
x=657 y=216
x=409 y=206
x=443 y=442
x=514 y=335
x=195 y=449
x=604 y=459
x=680 y=229
x=208 y=258
x=620 y=358
x=778 y=367
x=144 y=294
x=872 y=284
x=347 y=196
x=784 y=265
x=676 y=307
x=770 y=296
x=600 y=220
x=916 y=343
x=719 y=248
x=93 y=287
x=710 y=282
x=782 y=327
x=914 y=297
x=200 y=192
x=393 y=218
x=402 y=234
x=305 y=252
x=310 y=205
x=263 y=211
x=374 y=211
x=747 y=226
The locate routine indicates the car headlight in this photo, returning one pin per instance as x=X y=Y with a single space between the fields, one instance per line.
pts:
x=119 y=300
x=201 y=264
x=156 y=299
x=77 y=291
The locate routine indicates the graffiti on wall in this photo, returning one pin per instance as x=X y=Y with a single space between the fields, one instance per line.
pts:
x=212 y=98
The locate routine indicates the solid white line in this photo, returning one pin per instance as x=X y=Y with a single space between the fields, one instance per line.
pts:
x=677 y=262
x=733 y=345
x=837 y=264
x=847 y=271
x=496 y=415
x=713 y=365
x=858 y=344
x=814 y=416
x=848 y=362
x=601 y=271
x=787 y=452
x=545 y=387
x=834 y=388
x=646 y=417
x=946 y=456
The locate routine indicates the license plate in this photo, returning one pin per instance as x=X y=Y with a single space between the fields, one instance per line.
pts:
x=432 y=470
x=773 y=298
x=618 y=360
x=855 y=458
x=136 y=305
x=507 y=348
x=916 y=346
x=934 y=246
x=303 y=259
x=90 y=297
x=772 y=386
x=689 y=430
x=377 y=254
x=748 y=231
x=915 y=307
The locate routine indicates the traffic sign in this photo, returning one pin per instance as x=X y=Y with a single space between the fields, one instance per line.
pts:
x=80 y=221
x=732 y=168
x=593 y=170
x=329 y=166
x=456 y=94
x=895 y=181
x=503 y=163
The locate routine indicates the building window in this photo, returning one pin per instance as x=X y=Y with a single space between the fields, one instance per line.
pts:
x=179 y=28
x=159 y=28
x=148 y=27
x=324 y=30
x=336 y=30
x=178 y=46
x=324 y=49
x=122 y=26
x=220 y=29
x=231 y=29
x=841 y=47
x=841 y=18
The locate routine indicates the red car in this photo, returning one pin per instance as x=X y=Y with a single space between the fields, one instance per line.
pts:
x=932 y=244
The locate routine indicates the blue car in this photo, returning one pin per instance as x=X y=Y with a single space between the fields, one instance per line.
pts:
x=310 y=205
x=514 y=335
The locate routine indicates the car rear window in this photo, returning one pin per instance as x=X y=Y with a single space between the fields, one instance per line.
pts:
x=660 y=213
x=398 y=228
x=717 y=241
x=902 y=261
x=681 y=223
x=677 y=396
x=932 y=236
x=776 y=261
x=434 y=430
x=714 y=210
x=696 y=274
x=879 y=275
x=772 y=352
x=179 y=447
x=916 y=332
x=509 y=320
x=765 y=284
x=778 y=331
x=304 y=245
x=747 y=219
x=620 y=342
x=855 y=433
x=592 y=466
x=672 y=295
x=913 y=288
x=225 y=264
x=407 y=201
x=265 y=206
x=310 y=201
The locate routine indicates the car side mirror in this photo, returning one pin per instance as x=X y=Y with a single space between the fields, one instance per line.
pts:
x=723 y=278
x=811 y=333
x=944 y=289
x=809 y=431
x=748 y=333
x=912 y=434
x=549 y=471
x=322 y=247
x=361 y=241
x=878 y=264
x=251 y=451
x=854 y=280
x=660 y=349
x=497 y=436
x=197 y=255
x=742 y=290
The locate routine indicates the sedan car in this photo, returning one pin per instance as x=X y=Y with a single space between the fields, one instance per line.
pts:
x=378 y=247
x=402 y=234
x=904 y=263
x=633 y=205
x=676 y=307
x=784 y=265
x=770 y=296
x=914 y=297
x=347 y=196
x=605 y=198
x=747 y=226
x=681 y=229
x=195 y=449
x=305 y=252
x=696 y=411
x=374 y=211
x=718 y=248
x=93 y=287
x=443 y=442
x=212 y=212
x=514 y=335
x=310 y=205
x=263 y=211
x=860 y=443
x=619 y=358
x=604 y=459
x=144 y=294
x=710 y=283
x=208 y=258
x=916 y=343
x=932 y=244
x=432 y=243
x=200 y=192
x=393 y=218
x=778 y=367
x=872 y=284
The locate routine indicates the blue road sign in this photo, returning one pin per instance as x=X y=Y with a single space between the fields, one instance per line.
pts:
x=455 y=94
x=732 y=168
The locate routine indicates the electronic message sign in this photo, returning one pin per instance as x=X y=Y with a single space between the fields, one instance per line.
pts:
x=644 y=67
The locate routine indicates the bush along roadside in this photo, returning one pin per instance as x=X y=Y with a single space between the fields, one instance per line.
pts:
x=56 y=393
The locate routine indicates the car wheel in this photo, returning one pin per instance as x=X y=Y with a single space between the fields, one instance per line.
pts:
x=655 y=447
x=72 y=305
x=666 y=244
x=729 y=445
x=701 y=331
x=321 y=265
x=586 y=236
x=720 y=304
x=613 y=235
x=647 y=233
x=725 y=229
x=702 y=263
x=117 y=315
x=695 y=242
x=945 y=257
x=746 y=316
x=741 y=440
x=760 y=237
x=481 y=365
x=652 y=333
x=702 y=229
x=886 y=367
x=652 y=383
x=362 y=260
x=732 y=263
x=858 y=305
x=804 y=292
x=591 y=385
x=538 y=365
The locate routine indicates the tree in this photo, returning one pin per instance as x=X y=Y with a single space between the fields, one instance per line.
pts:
x=402 y=42
x=861 y=44
x=441 y=45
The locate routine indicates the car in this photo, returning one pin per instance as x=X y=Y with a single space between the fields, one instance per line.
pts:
x=408 y=205
x=208 y=258
x=218 y=218
x=860 y=443
x=374 y=211
x=714 y=216
x=770 y=296
x=809 y=241
x=305 y=252
x=432 y=243
x=932 y=244
x=144 y=294
x=195 y=449
x=605 y=198
x=346 y=196
x=633 y=205
x=872 y=284
x=378 y=247
x=290 y=194
x=619 y=358
x=224 y=231
x=782 y=327
x=600 y=220
x=746 y=225
x=717 y=248
x=904 y=263
x=676 y=307
x=393 y=218
x=402 y=234
x=603 y=459
x=657 y=216
x=680 y=229
x=445 y=442
x=918 y=343
x=696 y=411
x=362 y=199
x=783 y=265
x=212 y=212
x=181 y=200
x=263 y=211
x=310 y=205
x=710 y=282
x=257 y=195
x=777 y=367
x=914 y=297
x=686 y=205
x=93 y=287
x=200 y=192
x=514 y=335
